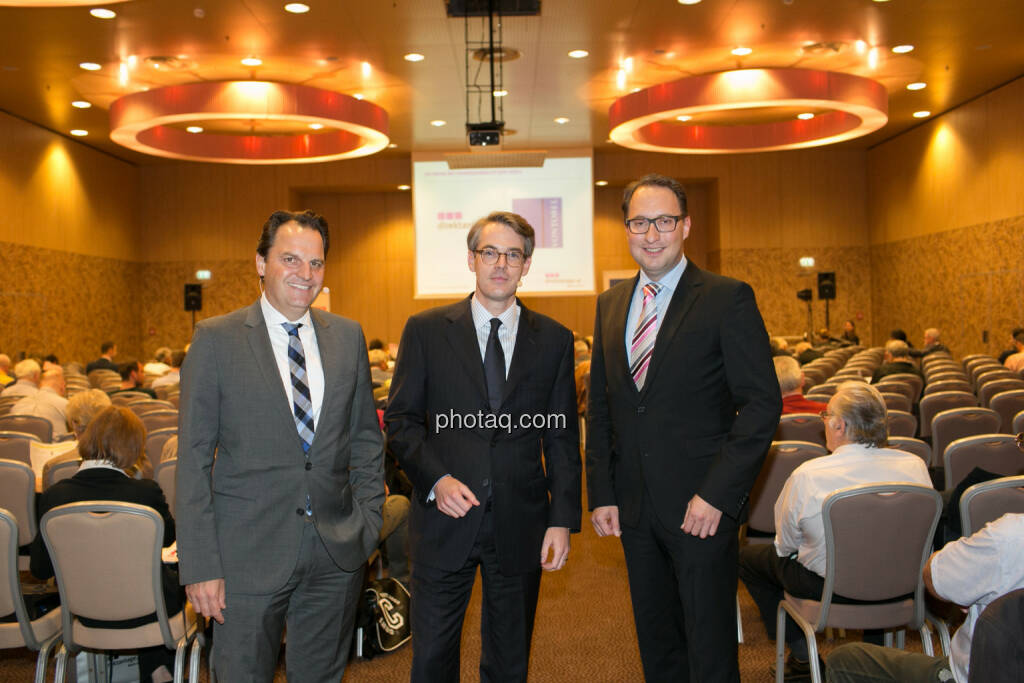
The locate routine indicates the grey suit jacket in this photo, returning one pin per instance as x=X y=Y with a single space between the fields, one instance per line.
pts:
x=242 y=519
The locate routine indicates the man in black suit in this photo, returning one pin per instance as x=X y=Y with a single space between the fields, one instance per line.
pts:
x=482 y=417
x=108 y=350
x=683 y=406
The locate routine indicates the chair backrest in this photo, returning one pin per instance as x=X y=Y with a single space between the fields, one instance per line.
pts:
x=18 y=496
x=30 y=424
x=783 y=457
x=100 y=375
x=950 y=425
x=1018 y=422
x=901 y=423
x=106 y=556
x=990 y=500
x=61 y=467
x=155 y=440
x=813 y=376
x=822 y=391
x=985 y=393
x=915 y=382
x=947 y=383
x=895 y=401
x=11 y=600
x=1007 y=404
x=997 y=453
x=164 y=477
x=977 y=371
x=124 y=398
x=991 y=375
x=160 y=419
x=912 y=445
x=801 y=427
x=877 y=539
x=933 y=404
x=897 y=386
x=974 y=357
x=17 y=446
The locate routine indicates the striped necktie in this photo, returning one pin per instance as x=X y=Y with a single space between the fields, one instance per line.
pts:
x=302 y=404
x=642 y=346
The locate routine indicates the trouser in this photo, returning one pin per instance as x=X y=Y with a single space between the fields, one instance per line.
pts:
x=864 y=663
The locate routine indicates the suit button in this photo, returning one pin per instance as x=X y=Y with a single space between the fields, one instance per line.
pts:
x=309 y=465
x=640 y=410
x=486 y=482
x=300 y=511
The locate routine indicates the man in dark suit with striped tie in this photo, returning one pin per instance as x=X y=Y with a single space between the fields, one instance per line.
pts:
x=683 y=406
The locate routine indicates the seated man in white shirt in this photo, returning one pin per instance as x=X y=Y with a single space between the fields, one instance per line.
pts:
x=48 y=402
x=856 y=434
x=27 y=373
x=173 y=375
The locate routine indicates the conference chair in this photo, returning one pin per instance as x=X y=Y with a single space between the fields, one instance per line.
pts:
x=822 y=392
x=125 y=398
x=18 y=496
x=62 y=467
x=933 y=404
x=106 y=556
x=1008 y=404
x=813 y=376
x=1018 y=422
x=950 y=425
x=895 y=386
x=783 y=457
x=915 y=382
x=997 y=453
x=943 y=384
x=978 y=370
x=7 y=402
x=994 y=374
x=974 y=357
x=30 y=424
x=985 y=392
x=901 y=423
x=166 y=418
x=97 y=378
x=894 y=401
x=912 y=445
x=164 y=477
x=39 y=634
x=877 y=540
x=801 y=427
x=990 y=500
x=17 y=446
x=155 y=441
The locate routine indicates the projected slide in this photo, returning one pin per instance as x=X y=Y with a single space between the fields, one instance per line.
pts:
x=556 y=199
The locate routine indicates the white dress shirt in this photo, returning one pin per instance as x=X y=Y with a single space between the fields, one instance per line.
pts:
x=279 y=343
x=799 y=527
x=48 y=404
x=506 y=333
x=661 y=302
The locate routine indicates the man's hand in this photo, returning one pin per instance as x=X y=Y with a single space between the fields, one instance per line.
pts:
x=556 y=539
x=606 y=520
x=207 y=597
x=453 y=497
x=702 y=518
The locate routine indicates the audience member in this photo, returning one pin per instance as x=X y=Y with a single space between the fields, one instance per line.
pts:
x=48 y=402
x=850 y=333
x=901 y=335
x=113 y=442
x=582 y=377
x=1003 y=355
x=173 y=375
x=160 y=363
x=50 y=362
x=780 y=347
x=81 y=409
x=374 y=344
x=27 y=373
x=379 y=372
x=856 y=435
x=108 y=350
x=131 y=378
x=897 y=361
x=581 y=351
x=931 y=344
x=1016 y=361
x=805 y=353
x=791 y=384
x=5 y=365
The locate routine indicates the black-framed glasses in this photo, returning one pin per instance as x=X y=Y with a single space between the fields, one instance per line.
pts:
x=490 y=256
x=641 y=224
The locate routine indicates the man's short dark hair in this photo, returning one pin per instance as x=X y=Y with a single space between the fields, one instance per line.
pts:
x=127 y=367
x=177 y=358
x=306 y=219
x=519 y=224
x=655 y=180
x=1019 y=337
x=374 y=344
x=106 y=346
x=898 y=334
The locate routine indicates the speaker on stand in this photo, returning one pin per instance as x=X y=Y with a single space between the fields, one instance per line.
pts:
x=193 y=300
x=827 y=291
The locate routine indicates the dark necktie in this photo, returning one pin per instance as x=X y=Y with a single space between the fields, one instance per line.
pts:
x=494 y=367
x=302 y=403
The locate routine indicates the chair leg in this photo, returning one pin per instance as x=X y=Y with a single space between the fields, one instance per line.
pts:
x=43 y=659
x=887 y=639
x=62 y=660
x=926 y=640
x=179 y=660
x=739 y=621
x=809 y=635
x=193 y=660
x=901 y=639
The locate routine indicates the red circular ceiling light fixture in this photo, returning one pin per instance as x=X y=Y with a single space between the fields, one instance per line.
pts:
x=848 y=107
x=153 y=122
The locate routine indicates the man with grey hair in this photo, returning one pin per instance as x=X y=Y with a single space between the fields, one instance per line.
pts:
x=897 y=361
x=27 y=373
x=48 y=402
x=856 y=434
x=931 y=344
x=160 y=363
x=791 y=385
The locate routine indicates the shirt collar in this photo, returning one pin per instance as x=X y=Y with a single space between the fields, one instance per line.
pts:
x=669 y=282
x=274 y=317
x=100 y=464
x=482 y=317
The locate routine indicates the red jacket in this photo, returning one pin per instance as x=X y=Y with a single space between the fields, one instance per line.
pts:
x=796 y=403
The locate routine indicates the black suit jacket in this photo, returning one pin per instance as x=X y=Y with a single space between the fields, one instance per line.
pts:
x=439 y=375
x=707 y=412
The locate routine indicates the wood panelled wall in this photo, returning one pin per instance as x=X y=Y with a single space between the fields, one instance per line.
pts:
x=946 y=215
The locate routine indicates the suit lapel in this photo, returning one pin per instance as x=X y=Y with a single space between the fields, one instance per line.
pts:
x=526 y=347
x=462 y=338
x=329 y=362
x=263 y=356
x=687 y=292
x=617 y=314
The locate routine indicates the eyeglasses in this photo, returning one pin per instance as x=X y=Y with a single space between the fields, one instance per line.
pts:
x=490 y=256
x=824 y=415
x=641 y=224
x=1020 y=441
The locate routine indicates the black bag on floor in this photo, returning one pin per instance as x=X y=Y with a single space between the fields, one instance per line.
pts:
x=382 y=619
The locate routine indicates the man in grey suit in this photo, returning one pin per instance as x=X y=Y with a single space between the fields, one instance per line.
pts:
x=278 y=395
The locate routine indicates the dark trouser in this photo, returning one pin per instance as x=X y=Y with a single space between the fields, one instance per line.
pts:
x=439 y=600
x=862 y=663
x=318 y=604
x=683 y=590
x=767 y=575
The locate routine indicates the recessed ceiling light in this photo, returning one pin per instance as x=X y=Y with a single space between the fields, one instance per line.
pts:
x=404 y=187
x=601 y=183
x=561 y=120
x=806 y=116
x=500 y=93
x=296 y=8
x=881 y=0
x=437 y=123
x=684 y=118
x=578 y=54
x=252 y=61
x=742 y=51
x=194 y=129
x=689 y=2
x=102 y=13
x=903 y=49
x=919 y=85
x=414 y=57
x=90 y=66
x=81 y=104
x=316 y=126
x=79 y=133
x=358 y=95
x=392 y=145
x=922 y=114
